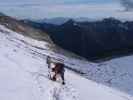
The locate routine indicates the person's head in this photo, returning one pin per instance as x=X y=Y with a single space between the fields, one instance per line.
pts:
x=48 y=57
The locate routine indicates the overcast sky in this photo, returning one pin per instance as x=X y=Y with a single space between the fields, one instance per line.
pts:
x=39 y=9
x=57 y=1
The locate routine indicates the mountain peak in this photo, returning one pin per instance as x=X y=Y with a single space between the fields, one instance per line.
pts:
x=70 y=22
x=1 y=14
x=111 y=20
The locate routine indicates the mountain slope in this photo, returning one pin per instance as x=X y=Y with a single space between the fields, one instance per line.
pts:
x=115 y=73
x=20 y=27
x=23 y=74
x=94 y=40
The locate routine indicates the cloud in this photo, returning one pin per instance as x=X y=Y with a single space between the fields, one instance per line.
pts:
x=128 y=4
x=37 y=10
x=60 y=10
x=45 y=2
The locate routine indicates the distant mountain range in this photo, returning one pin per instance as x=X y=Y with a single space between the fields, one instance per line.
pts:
x=55 y=21
x=95 y=39
x=62 y=20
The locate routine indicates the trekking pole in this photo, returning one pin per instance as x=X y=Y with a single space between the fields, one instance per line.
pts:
x=48 y=62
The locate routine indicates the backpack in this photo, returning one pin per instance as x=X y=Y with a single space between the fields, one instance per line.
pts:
x=59 y=68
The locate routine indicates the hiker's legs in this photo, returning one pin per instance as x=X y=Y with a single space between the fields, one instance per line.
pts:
x=62 y=77
x=54 y=77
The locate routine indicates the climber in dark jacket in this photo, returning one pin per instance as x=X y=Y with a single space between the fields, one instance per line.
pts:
x=58 y=69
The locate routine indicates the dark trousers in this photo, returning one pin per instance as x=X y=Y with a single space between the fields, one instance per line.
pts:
x=62 y=77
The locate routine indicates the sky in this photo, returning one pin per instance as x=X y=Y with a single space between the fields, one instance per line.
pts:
x=57 y=1
x=40 y=9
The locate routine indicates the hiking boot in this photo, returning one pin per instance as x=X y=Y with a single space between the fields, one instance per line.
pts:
x=63 y=83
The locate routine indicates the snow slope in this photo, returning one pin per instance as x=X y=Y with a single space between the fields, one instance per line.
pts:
x=116 y=73
x=23 y=73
